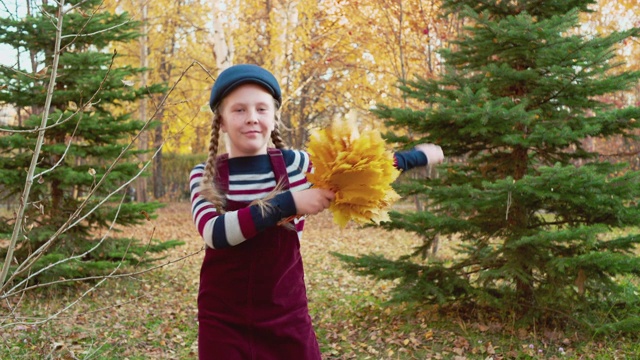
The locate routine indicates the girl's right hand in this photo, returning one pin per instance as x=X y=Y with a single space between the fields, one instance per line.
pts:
x=312 y=201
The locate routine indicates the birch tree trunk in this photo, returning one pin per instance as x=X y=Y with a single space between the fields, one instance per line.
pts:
x=143 y=144
x=222 y=46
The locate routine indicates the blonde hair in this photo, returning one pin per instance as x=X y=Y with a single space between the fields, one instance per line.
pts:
x=209 y=190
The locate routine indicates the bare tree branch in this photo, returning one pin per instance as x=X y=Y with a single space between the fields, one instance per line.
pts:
x=80 y=3
x=34 y=160
x=62 y=261
x=110 y=276
x=74 y=218
x=64 y=154
x=54 y=315
x=96 y=32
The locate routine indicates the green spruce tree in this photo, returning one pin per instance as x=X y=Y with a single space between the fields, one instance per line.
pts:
x=539 y=236
x=87 y=132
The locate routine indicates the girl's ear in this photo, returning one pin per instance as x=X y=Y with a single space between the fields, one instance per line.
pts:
x=223 y=127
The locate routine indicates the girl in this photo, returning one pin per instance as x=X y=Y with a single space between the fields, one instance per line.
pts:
x=252 y=300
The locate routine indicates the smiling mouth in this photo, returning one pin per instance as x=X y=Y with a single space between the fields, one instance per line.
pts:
x=252 y=133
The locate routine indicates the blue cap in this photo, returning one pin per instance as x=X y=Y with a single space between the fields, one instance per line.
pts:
x=236 y=75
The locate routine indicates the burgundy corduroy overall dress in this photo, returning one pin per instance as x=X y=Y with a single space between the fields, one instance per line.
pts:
x=252 y=302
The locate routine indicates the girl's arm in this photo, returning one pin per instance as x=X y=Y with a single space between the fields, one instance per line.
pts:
x=421 y=155
x=234 y=227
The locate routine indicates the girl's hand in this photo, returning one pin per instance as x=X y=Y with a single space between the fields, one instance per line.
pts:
x=312 y=201
x=433 y=152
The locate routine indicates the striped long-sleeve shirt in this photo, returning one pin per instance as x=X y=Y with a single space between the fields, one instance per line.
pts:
x=252 y=178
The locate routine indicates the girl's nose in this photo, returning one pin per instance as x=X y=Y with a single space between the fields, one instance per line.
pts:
x=252 y=117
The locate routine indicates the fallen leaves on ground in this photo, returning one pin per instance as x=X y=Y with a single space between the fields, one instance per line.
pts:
x=153 y=315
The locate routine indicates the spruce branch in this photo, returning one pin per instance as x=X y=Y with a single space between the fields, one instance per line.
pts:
x=93 y=13
x=83 y=106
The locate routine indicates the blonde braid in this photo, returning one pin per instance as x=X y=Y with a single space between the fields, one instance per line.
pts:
x=208 y=187
x=276 y=137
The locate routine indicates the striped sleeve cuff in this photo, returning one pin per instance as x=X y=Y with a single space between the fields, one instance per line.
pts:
x=234 y=227
x=278 y=208
x=406 y=160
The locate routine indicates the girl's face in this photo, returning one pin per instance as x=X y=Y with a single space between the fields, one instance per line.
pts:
x=248 y=118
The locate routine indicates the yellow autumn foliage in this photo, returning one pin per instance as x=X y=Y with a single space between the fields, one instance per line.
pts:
x=358 y=168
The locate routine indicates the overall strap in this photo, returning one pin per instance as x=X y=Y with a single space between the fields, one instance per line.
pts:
x=279 y=167
x=222 y=173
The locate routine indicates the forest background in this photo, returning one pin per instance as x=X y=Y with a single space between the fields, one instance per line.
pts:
x=333 y=58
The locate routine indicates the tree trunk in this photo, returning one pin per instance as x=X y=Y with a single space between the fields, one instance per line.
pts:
x=158 y=183
x=143 y=144
x=222 y=46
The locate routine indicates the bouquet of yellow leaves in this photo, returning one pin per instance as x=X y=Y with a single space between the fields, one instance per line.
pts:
x=358 y=168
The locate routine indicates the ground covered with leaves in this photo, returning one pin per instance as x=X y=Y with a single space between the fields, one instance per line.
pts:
x=153 y=314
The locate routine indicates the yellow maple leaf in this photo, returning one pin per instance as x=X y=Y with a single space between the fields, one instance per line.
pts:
x=358 y=167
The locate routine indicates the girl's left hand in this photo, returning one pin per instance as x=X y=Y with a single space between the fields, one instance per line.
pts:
x=433 y=152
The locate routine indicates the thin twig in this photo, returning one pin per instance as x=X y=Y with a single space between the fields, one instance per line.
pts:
x=109 y=276
x=80 y=3
x=624 y=154
x=64 y=154
x=79 y=256
x=97 y=32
